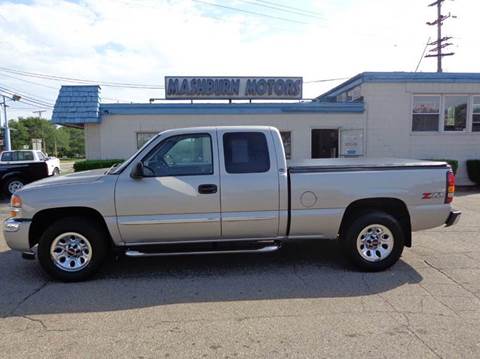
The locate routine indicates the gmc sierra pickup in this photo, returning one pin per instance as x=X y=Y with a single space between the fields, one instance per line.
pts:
x=227 y=190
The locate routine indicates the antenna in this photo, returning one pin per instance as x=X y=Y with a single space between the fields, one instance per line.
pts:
x=441 y=42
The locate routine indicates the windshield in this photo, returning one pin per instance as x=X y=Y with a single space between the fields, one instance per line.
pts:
x=119 y=167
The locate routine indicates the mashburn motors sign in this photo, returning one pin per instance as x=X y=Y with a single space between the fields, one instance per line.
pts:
x=273 y=88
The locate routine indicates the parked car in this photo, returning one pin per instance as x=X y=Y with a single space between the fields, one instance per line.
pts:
x=17 y=168
x=227 y=190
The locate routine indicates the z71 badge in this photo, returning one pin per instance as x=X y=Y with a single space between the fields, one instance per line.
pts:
x=433 y=195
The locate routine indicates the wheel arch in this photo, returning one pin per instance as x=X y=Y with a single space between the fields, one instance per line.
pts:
x=393 y=206
x=15 y=174
x=44 y=218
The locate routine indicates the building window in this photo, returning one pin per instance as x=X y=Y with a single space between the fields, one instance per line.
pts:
x=426 y=113
x=476 y=114
x=287 y=143
x=144 y=137
x=455 y=113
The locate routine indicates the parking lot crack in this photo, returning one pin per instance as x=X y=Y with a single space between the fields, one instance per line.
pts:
x=300 y=278
x=452 y=279
x=25 y=299
x=44 y=326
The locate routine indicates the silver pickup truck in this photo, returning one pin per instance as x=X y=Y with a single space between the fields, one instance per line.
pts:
x=227 y=190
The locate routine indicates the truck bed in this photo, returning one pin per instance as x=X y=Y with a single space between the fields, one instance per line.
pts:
x=360 y=164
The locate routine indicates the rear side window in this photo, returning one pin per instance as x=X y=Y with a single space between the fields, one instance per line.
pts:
x=246 y=152
x=24 y=156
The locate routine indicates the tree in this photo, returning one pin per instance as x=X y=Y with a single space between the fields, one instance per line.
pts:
x=57 y=140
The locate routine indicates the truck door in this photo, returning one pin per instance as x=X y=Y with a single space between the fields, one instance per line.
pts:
x=250 y=184
x=179 y=196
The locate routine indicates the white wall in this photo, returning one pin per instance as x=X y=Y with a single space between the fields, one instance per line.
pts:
x=115 y=137
x=389 y=124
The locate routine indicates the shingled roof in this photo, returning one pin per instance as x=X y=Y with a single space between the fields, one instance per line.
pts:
x=77 y=105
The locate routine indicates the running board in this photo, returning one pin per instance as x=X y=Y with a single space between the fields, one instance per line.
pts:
x=265 y=249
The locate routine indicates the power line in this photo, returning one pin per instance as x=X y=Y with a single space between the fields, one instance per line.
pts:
x=25 y=98
x=81 y=81
x=281 y=8
x=290 y=7
x=54 y=88
x=251 y=12
x=423 y=54
x=28 y=81
x=21 y=92
x=326 y=80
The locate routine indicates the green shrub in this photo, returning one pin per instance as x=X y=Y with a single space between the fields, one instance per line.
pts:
x=94 y=164
x=473 y=170
x=452 y=163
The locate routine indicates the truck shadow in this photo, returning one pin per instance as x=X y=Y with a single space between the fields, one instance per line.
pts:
x=313 y=269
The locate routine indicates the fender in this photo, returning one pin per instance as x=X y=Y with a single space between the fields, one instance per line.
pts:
x=12 y=174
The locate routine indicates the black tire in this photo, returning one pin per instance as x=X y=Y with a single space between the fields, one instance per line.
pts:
x=353 y=231
x=56 y=171
x=92 y=231
x=8 y=182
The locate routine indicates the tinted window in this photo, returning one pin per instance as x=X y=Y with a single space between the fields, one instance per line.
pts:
x=245 y=152
x=181 y=155
x=24 y=156
x=41 y=156
x=7 y=156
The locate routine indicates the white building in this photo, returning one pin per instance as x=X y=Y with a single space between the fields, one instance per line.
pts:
x=374 y=114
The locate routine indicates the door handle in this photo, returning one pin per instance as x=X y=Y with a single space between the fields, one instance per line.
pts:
x=207 y=188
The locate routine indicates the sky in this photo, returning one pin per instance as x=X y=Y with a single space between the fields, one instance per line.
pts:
x=141 y=41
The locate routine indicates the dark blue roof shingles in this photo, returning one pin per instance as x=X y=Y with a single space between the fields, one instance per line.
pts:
x=77 y=105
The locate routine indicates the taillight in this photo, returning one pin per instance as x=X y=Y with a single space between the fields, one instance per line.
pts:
x=450 y=187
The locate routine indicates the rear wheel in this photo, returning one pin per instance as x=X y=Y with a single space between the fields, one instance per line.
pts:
x=72 y=249
x=12 y=185
x=374 y=241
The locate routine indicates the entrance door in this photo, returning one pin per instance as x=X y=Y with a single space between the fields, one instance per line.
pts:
x=325 y=143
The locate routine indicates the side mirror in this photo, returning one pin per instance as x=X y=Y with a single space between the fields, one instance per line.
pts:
x=137 y=171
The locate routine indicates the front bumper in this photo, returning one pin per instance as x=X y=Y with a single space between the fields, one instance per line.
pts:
x=453 y=218
x=15 y=232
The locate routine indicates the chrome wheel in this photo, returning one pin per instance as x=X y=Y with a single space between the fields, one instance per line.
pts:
x=71 y=252
x=375 y=242
x=14 y=186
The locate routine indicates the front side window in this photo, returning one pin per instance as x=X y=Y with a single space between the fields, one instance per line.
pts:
x=287 y=143
x=426 y=113
x=246 y=152
x=476 y=114
x=41 y=156
x=455 y=114
x=184 y=155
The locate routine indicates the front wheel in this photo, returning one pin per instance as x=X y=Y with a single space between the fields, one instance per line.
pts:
x=56 y=172
x=374 y=241
x=72 y=249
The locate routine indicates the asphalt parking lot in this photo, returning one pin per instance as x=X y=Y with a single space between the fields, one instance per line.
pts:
x=304 y=301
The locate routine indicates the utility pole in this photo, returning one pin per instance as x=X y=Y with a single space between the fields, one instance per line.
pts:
x=7 y=142
x=39 y=112
x=441 y=42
